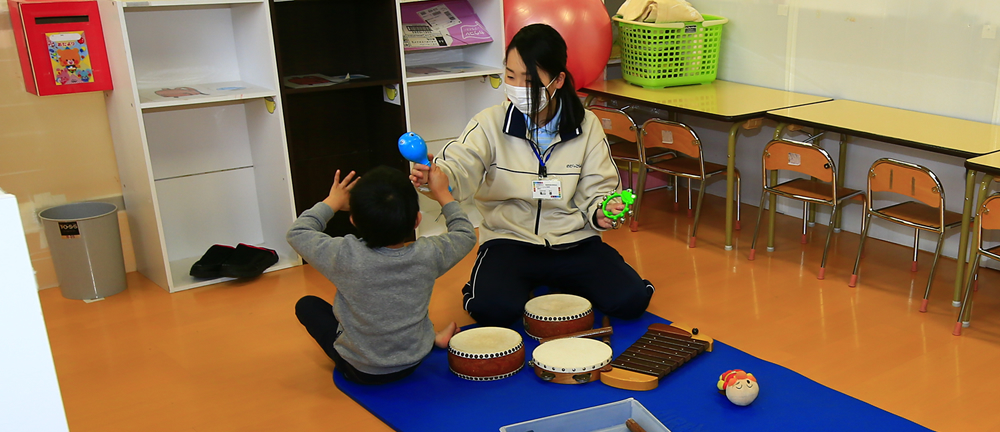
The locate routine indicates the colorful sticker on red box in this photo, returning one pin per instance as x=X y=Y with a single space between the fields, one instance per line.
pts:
x=70 y=58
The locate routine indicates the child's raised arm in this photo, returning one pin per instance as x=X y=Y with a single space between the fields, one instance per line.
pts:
x=438 y=183
x=306 y=235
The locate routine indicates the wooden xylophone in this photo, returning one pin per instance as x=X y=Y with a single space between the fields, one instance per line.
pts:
x=662 y=350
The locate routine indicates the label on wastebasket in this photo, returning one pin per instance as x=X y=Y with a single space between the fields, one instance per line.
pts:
x=69 y=230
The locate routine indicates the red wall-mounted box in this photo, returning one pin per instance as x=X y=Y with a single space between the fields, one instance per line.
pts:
x=61 y=46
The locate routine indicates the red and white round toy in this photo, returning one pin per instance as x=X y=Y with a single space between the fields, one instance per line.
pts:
x=740 y=387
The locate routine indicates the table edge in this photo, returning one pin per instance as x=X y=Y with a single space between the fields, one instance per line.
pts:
x=720 y=117
x=876 y=137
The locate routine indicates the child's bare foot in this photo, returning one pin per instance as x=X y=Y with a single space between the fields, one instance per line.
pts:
x=442 y=337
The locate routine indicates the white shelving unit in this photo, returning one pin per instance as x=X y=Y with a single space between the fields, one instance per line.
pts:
x=439 y=105
x=198 y=132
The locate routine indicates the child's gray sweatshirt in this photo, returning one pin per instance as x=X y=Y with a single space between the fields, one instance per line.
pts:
x=382 y=294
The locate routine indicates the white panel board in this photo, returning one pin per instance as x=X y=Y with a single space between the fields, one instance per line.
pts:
x=197 y=140
x=203 y=210
x=919 y=55
x=172 y=45
x=271 y=174
x=437 y=110
x=28 y=387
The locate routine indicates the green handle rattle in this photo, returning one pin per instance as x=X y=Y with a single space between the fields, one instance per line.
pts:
x=627 y=197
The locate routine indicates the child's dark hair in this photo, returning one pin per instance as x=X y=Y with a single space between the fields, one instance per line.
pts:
x=541 y=46
x=384 y=207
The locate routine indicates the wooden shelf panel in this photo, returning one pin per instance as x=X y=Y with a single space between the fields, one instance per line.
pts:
x=195 y=94
x=180 y=271
x=361 y=83
x=168 y=3
x=456 y=70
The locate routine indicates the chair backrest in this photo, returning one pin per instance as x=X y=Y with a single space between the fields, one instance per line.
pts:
x=989 y=213
x=616 y=123
x=912 y=180
x=799 y=157
x=671 y=135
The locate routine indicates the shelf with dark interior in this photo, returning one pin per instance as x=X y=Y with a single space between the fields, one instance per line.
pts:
x=365 y=82
x=346 y=127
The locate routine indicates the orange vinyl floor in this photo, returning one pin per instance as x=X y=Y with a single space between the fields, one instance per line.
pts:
x=232 y=357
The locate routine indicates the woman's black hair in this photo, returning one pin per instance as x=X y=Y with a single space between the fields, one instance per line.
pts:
x=541 y=46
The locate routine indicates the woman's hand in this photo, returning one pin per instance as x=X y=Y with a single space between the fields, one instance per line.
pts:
x=340 y=192
x=420 y=173
x=606 y=222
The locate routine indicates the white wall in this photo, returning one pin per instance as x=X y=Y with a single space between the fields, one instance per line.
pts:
x=940 y=57
x=29 y=392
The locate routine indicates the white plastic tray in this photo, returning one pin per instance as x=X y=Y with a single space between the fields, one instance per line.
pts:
x=602 y=418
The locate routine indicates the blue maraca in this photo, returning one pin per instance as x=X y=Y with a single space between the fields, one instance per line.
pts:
x=413 y=148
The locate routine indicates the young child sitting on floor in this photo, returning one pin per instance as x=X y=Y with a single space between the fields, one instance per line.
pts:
x=378 y=329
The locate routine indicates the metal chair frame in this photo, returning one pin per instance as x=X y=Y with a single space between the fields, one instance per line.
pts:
x=836 y=201
x=992 y=222
x=633 y=127
x=870 y=211
x=703 y=176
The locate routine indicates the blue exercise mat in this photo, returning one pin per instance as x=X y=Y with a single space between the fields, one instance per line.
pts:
x=434 y=399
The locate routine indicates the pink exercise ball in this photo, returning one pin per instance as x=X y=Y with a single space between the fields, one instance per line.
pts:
x=584 y=24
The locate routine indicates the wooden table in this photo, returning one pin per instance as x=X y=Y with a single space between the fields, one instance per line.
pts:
x=934 y=133
x=740 y=104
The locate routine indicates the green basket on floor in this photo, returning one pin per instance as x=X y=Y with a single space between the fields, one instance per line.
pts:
x=670 y=54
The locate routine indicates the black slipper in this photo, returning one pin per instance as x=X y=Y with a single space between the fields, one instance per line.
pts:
x=249 y=261
x=210 y=264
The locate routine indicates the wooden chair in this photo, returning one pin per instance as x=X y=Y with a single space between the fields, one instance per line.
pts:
x=623 y=137
x=822 y=188
x=688 y=163
x=924 y=212
x=989 y=219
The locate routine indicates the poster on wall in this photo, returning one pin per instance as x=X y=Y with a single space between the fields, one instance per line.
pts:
x=70 y=57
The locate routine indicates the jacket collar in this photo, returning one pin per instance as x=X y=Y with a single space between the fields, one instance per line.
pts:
x=515 y=125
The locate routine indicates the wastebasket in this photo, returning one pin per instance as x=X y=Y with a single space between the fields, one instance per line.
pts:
x=86 y=249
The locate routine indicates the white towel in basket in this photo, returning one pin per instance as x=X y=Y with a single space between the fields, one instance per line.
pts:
x=659 y=11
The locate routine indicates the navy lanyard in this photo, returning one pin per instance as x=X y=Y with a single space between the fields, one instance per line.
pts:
x=542 y=170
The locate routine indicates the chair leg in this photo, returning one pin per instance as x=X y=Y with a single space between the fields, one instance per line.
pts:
x=630 y=185
x=677 y=191
x=965 y=302
x=697 y=213
x=916 y=248
x=805 y=220
x=689 y=198
x=826 y=248
x=930 y=279
x=739 y=187
x=640 y=192
x=772 y=212
x=865 y=221
x=756 y=227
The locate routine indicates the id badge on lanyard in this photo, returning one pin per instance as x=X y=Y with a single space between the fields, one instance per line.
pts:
x=549 y=189
x=545 y=188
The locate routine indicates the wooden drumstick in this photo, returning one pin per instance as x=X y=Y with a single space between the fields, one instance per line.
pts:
x=586 y=333
x=633 y=426
x=606 y=322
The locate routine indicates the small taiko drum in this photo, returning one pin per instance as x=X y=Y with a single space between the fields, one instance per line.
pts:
x=486 y=353
x=571 y=360
x=557 y=314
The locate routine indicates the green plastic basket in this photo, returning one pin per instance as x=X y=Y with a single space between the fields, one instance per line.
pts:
x=670 y=54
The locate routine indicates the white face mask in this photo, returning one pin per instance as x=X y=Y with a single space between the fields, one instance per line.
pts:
x=519 y=96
